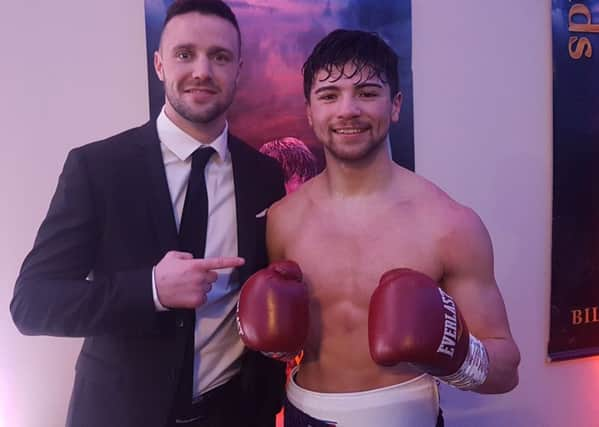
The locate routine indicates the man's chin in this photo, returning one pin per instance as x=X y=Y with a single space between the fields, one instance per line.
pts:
x=196 y=112
x=203 y=116
x=353 y=154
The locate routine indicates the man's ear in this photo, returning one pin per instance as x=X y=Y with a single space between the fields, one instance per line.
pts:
x=158 y=67
x=309 y=113
x=396 y=107
x=238 y=72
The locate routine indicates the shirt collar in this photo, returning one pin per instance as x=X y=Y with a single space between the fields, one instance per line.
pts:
x=182 y=144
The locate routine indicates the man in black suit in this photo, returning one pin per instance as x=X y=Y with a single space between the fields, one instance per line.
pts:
x=122 y=260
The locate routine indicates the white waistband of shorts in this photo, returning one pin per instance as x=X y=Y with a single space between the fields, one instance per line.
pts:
x=421 y=387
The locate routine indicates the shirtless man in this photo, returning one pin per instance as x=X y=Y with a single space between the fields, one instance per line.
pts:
x=368 y=358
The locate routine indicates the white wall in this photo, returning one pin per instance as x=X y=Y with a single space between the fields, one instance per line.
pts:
x=482 y=89
x=73 y=71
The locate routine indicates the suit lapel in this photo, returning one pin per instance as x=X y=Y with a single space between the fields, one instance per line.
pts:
x=245 y=205
x=157 y=192
x=159 y=200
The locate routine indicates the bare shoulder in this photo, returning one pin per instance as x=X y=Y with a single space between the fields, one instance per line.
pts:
x=462 y=238
x=285 y=217
x=464 y=244
x=463 y=232
x=452 y=218
x=294 y=205
x=459 y=223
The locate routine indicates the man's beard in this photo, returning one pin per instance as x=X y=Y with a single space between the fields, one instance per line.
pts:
x=204 y=116
x=349 y=156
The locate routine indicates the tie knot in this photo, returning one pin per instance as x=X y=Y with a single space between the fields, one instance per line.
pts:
x=200 y=157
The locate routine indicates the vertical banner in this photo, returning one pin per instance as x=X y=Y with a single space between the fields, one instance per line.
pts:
x=277 y=37
x=575 y=252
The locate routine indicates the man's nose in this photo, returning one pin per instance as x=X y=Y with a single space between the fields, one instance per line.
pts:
x=202 y=68
x=348 y=107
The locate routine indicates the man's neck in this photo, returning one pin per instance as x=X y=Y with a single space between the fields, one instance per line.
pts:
x=202 y=132
x=368 y=176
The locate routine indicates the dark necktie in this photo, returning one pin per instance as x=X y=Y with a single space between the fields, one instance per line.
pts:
x=194 y=219
x=192 y=238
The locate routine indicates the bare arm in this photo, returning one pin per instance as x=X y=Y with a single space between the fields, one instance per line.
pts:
x=274 y=233
x=467 y=255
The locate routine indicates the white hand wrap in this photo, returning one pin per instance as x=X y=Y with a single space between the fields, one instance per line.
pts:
x=473 y=371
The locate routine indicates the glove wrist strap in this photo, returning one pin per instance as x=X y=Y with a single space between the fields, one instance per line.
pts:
x=281 y=356
x=473 y=371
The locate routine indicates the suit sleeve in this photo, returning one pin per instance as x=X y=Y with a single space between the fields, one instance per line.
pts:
x=278 y=180
x=56 y=292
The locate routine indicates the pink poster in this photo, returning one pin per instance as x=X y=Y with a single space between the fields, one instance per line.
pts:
x=277 y=37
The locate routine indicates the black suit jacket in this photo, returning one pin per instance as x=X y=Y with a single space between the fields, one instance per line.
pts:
x=89 y=275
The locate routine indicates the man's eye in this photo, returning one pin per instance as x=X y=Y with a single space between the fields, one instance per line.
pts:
x=368 y=94
x=222 y=58
x=327 y=97
x=183 y=56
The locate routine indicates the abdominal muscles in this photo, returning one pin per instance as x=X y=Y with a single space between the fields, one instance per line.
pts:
x=336 y=356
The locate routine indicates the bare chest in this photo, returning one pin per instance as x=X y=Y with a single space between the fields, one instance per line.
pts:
x=342 y=261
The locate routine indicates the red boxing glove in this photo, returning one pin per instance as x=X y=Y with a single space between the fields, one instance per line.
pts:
x=411 y=319
x=273 y=310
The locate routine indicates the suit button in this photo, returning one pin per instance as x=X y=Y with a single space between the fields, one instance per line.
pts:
x=180 y=323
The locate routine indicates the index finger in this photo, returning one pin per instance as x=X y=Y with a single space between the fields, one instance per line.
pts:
x=219 y=263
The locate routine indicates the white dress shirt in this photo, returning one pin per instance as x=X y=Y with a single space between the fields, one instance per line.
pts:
x=217 y=344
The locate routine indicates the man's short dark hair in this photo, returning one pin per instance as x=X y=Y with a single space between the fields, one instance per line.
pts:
x=365 y=51
x=205 y=7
